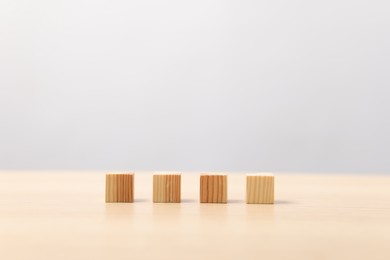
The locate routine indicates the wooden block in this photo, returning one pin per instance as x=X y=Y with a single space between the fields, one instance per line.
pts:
x=260 y=188
x=213 y=188
x=120 y=187
x=167 y=187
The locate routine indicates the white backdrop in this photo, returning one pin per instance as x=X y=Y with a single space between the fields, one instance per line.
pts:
x=195 y=85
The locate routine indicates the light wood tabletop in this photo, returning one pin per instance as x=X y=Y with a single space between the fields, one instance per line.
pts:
x=63 y=215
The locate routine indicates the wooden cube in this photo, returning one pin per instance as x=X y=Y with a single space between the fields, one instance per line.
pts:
x=213 y=188
x=260 y=188
x=167 y=187
x=120 y=187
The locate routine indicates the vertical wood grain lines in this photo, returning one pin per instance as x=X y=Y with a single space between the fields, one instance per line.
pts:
x=259 y=189
x=120 y=187
x=213 y=188
x=167 y=188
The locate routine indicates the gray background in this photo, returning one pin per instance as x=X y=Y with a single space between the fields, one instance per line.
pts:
x=299 y=86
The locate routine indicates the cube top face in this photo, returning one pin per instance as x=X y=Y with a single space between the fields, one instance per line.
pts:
x=260 y=188
x=167 y=187
x=166 y=173
x=119 y=187
x=120 y=173
x=213 y=188
x=213 y=174
x=263 y=174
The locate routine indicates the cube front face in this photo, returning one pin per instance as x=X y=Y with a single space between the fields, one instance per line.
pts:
x=213 y=188
x=260 y=189
x=120 y=187
x=167 y=188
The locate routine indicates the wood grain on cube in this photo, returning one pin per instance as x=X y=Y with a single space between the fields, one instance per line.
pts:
x=260 y=188
x=167 y=187
x=213 y=188
x=120 y=187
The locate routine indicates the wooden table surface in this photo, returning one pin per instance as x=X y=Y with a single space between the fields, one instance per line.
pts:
x=62 y=215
